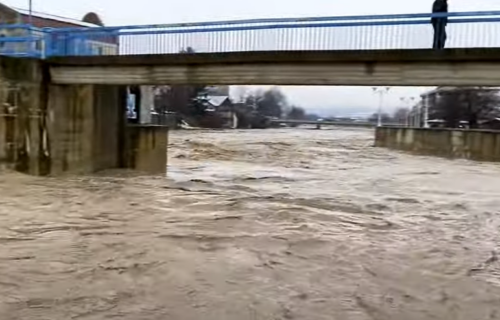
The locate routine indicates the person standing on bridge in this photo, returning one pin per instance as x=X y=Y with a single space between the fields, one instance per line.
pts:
x=439 y=24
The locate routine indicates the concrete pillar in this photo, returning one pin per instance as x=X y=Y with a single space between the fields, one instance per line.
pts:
x=71 y=128
x=87 y=132
x=76 y=129
x=109 y=122
x=146 y=148
x=146 y=104
x=84 y=128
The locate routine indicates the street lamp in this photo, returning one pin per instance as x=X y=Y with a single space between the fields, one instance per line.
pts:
x=381 y=92
x=425 y=100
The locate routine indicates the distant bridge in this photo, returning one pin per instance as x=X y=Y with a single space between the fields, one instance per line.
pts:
x=319 y=124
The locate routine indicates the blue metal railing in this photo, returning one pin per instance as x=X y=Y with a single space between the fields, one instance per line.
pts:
x=398 y=31
x=22 y=40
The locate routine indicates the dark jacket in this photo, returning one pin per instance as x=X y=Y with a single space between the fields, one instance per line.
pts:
x=439 y=6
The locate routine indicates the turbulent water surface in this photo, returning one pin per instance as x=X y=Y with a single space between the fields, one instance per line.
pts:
x=271 y=224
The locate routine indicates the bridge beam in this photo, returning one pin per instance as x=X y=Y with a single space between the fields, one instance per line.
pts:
x=350 y=74
x=479 y=67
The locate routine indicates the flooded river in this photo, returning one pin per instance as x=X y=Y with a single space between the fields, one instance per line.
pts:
x=271 y=225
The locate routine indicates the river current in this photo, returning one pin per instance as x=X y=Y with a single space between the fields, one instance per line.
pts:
x=258 y=224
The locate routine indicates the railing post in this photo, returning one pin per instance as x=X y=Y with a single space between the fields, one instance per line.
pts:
x=30 y=45
x=47 y=43
x=55 y=43
x=61 y=44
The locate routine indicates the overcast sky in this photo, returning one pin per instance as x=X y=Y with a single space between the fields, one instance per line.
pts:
x=329 y=99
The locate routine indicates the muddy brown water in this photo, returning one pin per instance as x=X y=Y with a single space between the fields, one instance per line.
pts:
x=271 y=224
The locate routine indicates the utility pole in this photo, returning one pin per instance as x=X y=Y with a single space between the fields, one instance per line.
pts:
x=30 y=9
x=425 y=100
x=381 y=92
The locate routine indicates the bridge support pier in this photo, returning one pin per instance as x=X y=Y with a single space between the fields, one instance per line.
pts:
x=49 y=129
x=92 y=133
x=145 y=148
x=85 y=127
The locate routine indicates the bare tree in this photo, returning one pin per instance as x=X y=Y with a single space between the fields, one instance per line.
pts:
x=271 y=103
x=401 y=115
x=297 y=113
x=241 y=94
x=385 y=117
x=185 y=100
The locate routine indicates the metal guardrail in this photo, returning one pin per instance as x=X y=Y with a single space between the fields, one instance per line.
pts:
x=397 y=31
x=22 y=40
x=402 y=31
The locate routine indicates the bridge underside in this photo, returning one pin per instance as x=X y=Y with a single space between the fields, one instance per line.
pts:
x=454 y=67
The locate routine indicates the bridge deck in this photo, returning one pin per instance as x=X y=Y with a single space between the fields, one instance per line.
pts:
x=455 y=67
x=286 y=57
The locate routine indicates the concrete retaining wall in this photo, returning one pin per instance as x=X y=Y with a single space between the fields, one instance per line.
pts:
x=480 y=145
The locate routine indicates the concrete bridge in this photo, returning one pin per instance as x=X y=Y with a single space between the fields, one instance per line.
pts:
x=62 y=107
x=419 y=67
x=319 y=124
x=347 y=50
